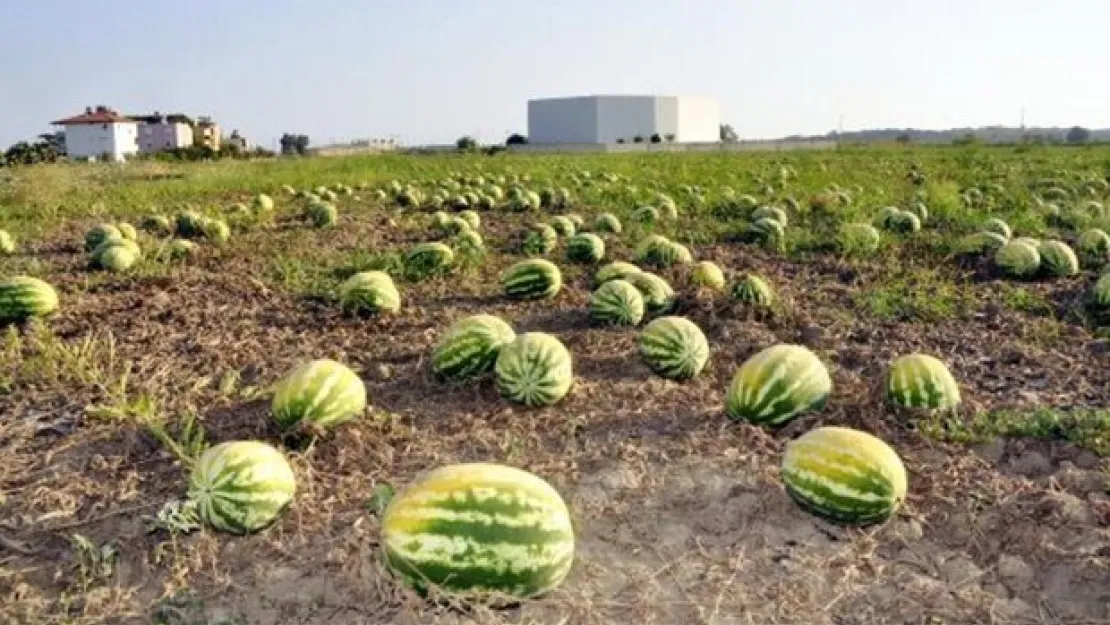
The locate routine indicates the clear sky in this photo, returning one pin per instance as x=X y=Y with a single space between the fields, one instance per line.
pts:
x=432 y=70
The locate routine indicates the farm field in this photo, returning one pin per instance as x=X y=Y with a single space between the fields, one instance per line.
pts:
x=680 y=512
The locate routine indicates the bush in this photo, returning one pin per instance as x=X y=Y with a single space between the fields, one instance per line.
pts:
x=637 y=139
x=655 y=138
x=516 y=139
x=467 y=144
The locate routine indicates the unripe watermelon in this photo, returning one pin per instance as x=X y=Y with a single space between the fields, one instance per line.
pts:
x=470 y=347
x=541 y=239
x=425 y=258
x=534 y=370
x=471 y=218
x=241 y=486
x=1035 y=243
x=369 y=291
x=479 y=530
x=920 y=210
x=616 y=270
x=1018 y=259
x=23 y=297
x=127 y=231
x=469 y=240
x=754 y=290
x=319 y=393
x=772 y=212
x=577 y=220
x=617 y=302
x=659 y=297
x=535 y=278
x=585 y=248
x=608 y=222
x=1058 y=259
x=998 y=226
x=921 y=382
x=708 y=275
x=674 y=347
x=1093 y=246
x=563 y=226
x=778 y=384
x=7 y=243
x=844 y=476
x=323 y=214
x=100 y=233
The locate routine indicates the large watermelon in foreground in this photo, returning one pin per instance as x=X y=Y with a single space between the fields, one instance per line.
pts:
x=535 y=278
x=534 y=370
x=922 y=382
x=318 y=393
x=24 y=297
x=241 y=486
x=844 y=475
x=470 y=346
x=674 y=347
x=778 y=384
x=479 y=530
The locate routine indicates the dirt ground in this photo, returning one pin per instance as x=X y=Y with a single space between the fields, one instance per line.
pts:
x=680 y=513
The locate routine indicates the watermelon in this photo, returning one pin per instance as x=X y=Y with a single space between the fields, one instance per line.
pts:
x=767 y=232
x=778 y=384
x=577 y=220
x=23 y=297
x=844 y=476
x=1100 y=295
x=471 y=218
x=534 y=370
x=1035 y=243
x=127 y=231
x=922 y=382
x=563 y=226
x=188 y=224
x=179 y=248
x=616 y=270
x=1093 y=246
x=371 y=292
x=426 y=258
x=667 y=208
x=980 y=243
x=888 y=217
x=674 y=347
x=539 y=240
x=215 y=230
x=322 y=214
x=771 y=212
x=656 y=250
x=114 y=256
x=263 y=203
x=319 y=393
x=608 y=222
x=998 y=226
x=585 y=248
x=708 y=275
x=858 y=238
x=7 y=243
x=645 y=215
x=905 y=222
x=241 y=486
x=478 y=531
x=920 y=210
x=1058 y=259
x=1018 y=259
x=617 y=302
x=157 y=224
x=470 y=347
x=754 y=290
x=535 y=278
x=659 y=297
x=100 y=233
x=469 y=241
x=441 y=221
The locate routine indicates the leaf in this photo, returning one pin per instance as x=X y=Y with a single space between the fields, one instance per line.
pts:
x=380 y=496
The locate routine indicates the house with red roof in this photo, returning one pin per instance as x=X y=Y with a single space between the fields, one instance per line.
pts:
x=100 y=133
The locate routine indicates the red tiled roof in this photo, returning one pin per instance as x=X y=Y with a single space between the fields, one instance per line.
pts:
x=93 y=117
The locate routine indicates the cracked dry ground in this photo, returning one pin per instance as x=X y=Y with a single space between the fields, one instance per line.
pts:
x=681 y=517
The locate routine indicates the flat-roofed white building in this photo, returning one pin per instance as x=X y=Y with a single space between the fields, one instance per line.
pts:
x=623 y=118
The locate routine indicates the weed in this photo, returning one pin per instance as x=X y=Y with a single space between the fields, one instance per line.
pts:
x=1088 y=428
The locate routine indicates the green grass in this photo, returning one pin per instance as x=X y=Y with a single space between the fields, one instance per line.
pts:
x=1086 y=428
x=919 y=295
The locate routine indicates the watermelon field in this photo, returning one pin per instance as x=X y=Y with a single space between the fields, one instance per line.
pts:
x=855 y=386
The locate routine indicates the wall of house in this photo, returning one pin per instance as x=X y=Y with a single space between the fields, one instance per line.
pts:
x=611 y=118
x=207 y=135
x=625 y=117
x=697 y=120
x=562 y=120
x=155 y=138
x=94 y=140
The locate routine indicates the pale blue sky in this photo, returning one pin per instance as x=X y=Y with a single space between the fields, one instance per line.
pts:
x=430 y=71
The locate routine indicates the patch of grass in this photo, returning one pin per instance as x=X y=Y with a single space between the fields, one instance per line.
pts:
x=1087 y=428
x=922 y=295
x=1022 y=299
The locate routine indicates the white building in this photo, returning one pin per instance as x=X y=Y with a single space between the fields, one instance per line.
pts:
x=159 y=133
x=100 y=132
x=623 y=118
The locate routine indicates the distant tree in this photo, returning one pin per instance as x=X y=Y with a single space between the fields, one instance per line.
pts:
x=670 y=136
x=638 y=139
x=294 y=144
x=1078 y=135
x=656 y=138
x=47 y=149
x=620 y=140
x=516 y=139
x=728 y=134
x=904 y=138
x=467 y=144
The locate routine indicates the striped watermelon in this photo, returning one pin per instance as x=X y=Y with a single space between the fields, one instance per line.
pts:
x=1018 y=259
x=7 y=243
x=370 y=292
x=127 y=231
x=470 y=347
x=767 y=232
x=534 y=370
x=188 y=224
x=322 y=214
x=114 y=255
x=674 y=348
x=921 y=210
x=428 y=258
x=844 y=476
x=708 y=275
x=1035 y=243
x=778 y=384
x=659 y=297
x=921 y=382
x=656 y=250
x=1093 y=246
x=215 y=230
x=23 y=297
x=772 y=212
x=998 y=226
x=263 y=203
x=563 y=226
x=754 y=290
x=478 y=531
x=535 y=278
x=541 y=239
x=471 y=218
x=241 y=486
x=441 y=221
x=1058 y=259
x=617 y=302
x=469 y=241
x=905 y=222
x=608 y=222
x=585 y=248
x=1100 y=295
x=980 y=243
x=159 y=225
x=178 y=249
x=100 y=233
x=667 y=208
x=577 y=220
x=888 y=217
x=319 y=393
x=645 y=215
x=858 y=238
x=616 y=270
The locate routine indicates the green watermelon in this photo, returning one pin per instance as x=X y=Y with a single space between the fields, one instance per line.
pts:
x=656 y=250
x=772 y=212
x=535 y=370
x=535 y=278
x=371 y=292
x=674 y=347
x=427 y=258
x=998 y=226
x=540 y=240
x=888 y=217
x=319 y=393
x=754 y=290
x=563 y=226
x=263 y=203
x=617 y=302
x=858 y=238
x=322 y=214
x=922 y=382
x=1058 y=259
x=471 y=218
x=241 y=486
x=477 y=531
x=178 y=249
x=778 y=384
x=1018 y=259
x=23 y=297
x=113 y=256
x=100 y=233
x=127 y=231
x=980 y=243
x=659 y=297
x=470 y=347
x=616 y=270
x=708 y=275
x=905 y=222
x=188 y=224
x=157 y=224
x=585 y=248
x=1093 y=246
x=1100 y=295
x=844 y=476
x=608 y=222
x=215 y=230
x=767 y=232
x=7 y=243
x=646 y=215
